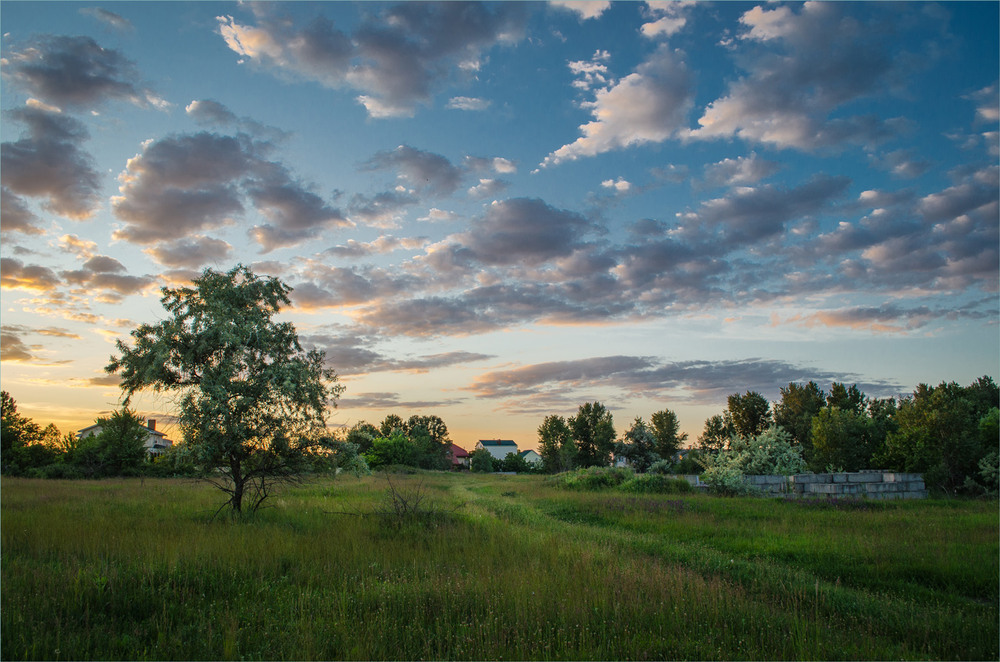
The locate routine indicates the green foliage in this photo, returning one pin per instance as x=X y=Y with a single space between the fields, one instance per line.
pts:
x=252 y=401
x=770 y=453
x=846 y=398
x=666 y=428
x=939 y=433
x=747 y=415
x=595 y=478
x=362 y=435
x=662 y=467
x=795 y=411
x=692 y=463
x=715 y=436
x=638 y=446
x=516 y=463
x=594 y=433
x=842 y=439
x=556 y=445
x=652 y=483
x=391 y=450
x=482 y=461
x=16 y=430
x=121 y=443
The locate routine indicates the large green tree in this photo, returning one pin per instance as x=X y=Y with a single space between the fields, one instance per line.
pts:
x=665 y=426
x=747 y=415
x=594 y=433
x=638 y=446
x=252 y=401
x=795 y=411
x=555 y=444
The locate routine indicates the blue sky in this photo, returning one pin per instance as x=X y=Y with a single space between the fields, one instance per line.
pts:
x=496 y=212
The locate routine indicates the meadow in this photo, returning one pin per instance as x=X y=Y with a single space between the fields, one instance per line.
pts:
x=488 y=567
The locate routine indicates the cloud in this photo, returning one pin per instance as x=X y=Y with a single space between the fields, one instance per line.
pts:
x=381 y=210
x=902 y=163
x=13 y=348
x=15 y=215
x=585 y=9
x=424 y=171
x=191 y=252
x=803 y=66
x=697 y=381
x=208 y=112
x=384 y=244
x=109 y=18
x=395 y=59
x=14 y=274
x=76 y=72
x=342 y=286
x=384 y=401
x=620 y=186
x=647 y=106
x=523 y=231
x=741 y=171
x=496 y=164
x=49 y=163
x=487 y=188
x=666 y=18
x=105 y=279
x=189 y=183
x=468 y=103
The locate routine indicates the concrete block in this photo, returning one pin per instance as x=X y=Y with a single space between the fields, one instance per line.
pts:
x=804 y=479
x=840 y=478
x=864 y=478
x=822 y=488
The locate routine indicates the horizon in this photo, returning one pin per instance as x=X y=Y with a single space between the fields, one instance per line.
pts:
x=494 y=212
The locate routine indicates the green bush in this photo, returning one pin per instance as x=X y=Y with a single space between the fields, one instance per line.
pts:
x=656 y=484
x=595 y=478
x=662 y=467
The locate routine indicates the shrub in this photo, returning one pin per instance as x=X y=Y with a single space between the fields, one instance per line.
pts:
x=595 y=478
x=481 y=461
x=655 y=483
x=662 y=467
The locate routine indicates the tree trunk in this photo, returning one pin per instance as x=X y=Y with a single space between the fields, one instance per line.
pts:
x=239 y=482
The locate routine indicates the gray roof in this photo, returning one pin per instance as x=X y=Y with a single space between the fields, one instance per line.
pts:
x=497 y=442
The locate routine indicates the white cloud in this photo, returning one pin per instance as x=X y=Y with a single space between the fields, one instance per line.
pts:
x=585 y=9
x=649 y=105
x=468 y=103
x=668 y=18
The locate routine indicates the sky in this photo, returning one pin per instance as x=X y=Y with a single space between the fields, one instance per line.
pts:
x=496 y=212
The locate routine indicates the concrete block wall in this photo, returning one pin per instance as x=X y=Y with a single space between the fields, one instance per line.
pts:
x=874 y=484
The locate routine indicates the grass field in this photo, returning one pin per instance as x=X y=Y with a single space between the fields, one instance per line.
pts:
x=500 y=567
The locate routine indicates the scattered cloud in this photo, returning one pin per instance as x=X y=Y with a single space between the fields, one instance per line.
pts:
x=666 y=18
x=647 y=106
x=191 y=252
x=187 y=184
x=424 y=171
x=741 y=171
x=109 y=18
x=76 y=72
x=810 y=63
x=49 y=163
x=396 y=61
x=468 y=103
x=585 y=9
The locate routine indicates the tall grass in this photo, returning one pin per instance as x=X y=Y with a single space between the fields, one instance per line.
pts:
x=509 y=568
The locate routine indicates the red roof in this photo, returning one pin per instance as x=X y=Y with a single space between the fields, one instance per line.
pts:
x=458 y=451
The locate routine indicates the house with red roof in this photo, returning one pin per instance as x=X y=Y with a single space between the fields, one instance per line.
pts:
x=459 y=457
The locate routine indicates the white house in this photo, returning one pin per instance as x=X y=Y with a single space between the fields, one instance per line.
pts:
x=156 y=441
x=530 y=456
x=498 y=448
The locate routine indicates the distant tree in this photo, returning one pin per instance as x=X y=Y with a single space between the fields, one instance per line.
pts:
x=391 y=423
x=556 y=446
x=666 y=428
x=638 y=446
x=15 y=429
x=429 y=436
x=938 y=433
x=846 y=398
x=716 y=434
x=515 y=462
x=795 y=411
x=841 y=440
x=594 y=433
x=391 y=450
x=122 y=442
x=481 y=461
x=252 y=401
x=362 y=434
x=747 y=415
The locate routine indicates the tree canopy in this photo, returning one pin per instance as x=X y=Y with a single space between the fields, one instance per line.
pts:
x=252 y=401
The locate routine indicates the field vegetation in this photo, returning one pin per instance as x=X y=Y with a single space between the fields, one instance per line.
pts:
x=482 y=566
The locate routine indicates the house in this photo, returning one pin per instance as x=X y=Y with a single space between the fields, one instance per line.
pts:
x=156 y=441
x=498 y=448
x=459 y=457
x=530 y=456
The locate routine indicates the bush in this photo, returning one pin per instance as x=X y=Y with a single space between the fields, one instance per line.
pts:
x=656 y=484
x=595 y=478
x=481 y=461
x=662 y=467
